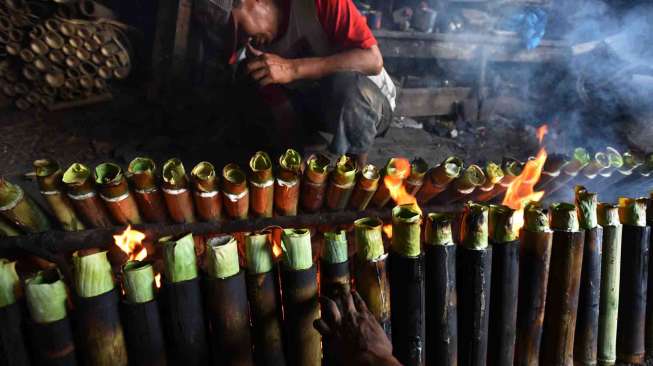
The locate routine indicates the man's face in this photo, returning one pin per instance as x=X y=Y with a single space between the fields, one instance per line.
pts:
x=257 y=20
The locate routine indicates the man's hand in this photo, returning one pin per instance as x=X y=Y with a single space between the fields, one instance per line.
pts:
x=268 y=68
x=354 y=332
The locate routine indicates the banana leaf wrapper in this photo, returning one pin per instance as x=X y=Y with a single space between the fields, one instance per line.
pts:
x=143 y=177
x=19 y=209
x=114 y=191
x=394 y=174
x=609 y=296
x=180 y=261
x=48 y=177
x=93 y=274
x=138 y=282
x=463 y=186
x=341 y=184
x=511 y=170
x=314 y=184
x=235 y=192
x=206 y=193
x=415 y=181
x=366 y=186
x=144 y=333
x=494 y=175
x=437 y=179
x=287 y=184
x=265 y=299
x=85 y=200
x=176 y=192
x=261 y=185
x=10 y=289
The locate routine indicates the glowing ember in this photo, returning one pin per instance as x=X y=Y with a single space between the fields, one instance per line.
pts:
x=396 y=186
x=131 y=243
x=157 y=280
x=387 y=230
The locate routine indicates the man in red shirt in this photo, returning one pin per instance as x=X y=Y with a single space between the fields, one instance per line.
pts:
x=316 y=64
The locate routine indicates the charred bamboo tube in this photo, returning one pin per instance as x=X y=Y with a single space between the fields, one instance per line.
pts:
x=181 y=303
x=569 y=171
x=235 y=192
x=50 y=332
x=98 y=317
x=463 y=186
x=143 y=177
x=415 y=181
x=313 y=191
x=19 y=209
x=633 y=281
x=438 y=178
x=206 y=194
x=261 y=185
x=226 y=303
x=535 y=255
x=616 y=161
x=587 y=326
x=504 y=236
x=13 y=351
x=511 y=170
x=341 y=184
x=140 y=311
x=77 y=179
x=299 y=281
x=441 y=297
x=368 y=183
x=494 y=175
x=474 y=276
x=608 y=217
x=563 y=287
x=175 y=192
x=370 y=274
x=263 y=294
x=114 y=191
x=551 y=170
x=593 y=170
x=48 y=176
x=7 y=229
x=334 y=281
x=286 y=188
x=394 y=174
x=642 y=172
x=648 y=341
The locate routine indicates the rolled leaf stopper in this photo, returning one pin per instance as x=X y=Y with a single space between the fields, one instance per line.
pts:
x=9 y=283
x=174 y=174
x=563 y=217
x=46 y=297
x=48 y=174
x=108 y=174
x=290 y=164
x=632 y=211
x=608 y=214
x=261 y=166
x=438 y=229
x=502 y=224
x=222 y=257
x=204 y=177
x=142 y=172
x=406 y=229
x=369 y=238
x=297 y=250
x=586 y=203
x=179 y=258
x=418 y=168
x=536 y=219
x=471 y=178
x=93 y=275
x=512 y=167
x=76 y=175
x=258 y=249
x=345 y=171
x=317 y=168
x=475 y=226
x=138 y=282
x=335 y=247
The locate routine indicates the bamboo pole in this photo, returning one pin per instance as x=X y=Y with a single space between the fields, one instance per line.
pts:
x=368 y=183
x=415 y=181
x=142 y=174
x=511 y=169
x=341 y=185
x=235 y=192
x=648 y=341
x=313 y=191
x=19 y=209
x=437 y=179
x=114 y=191
x=569 y=171
x=261 y=185
x=83 y=196
x=462 y=187
x=608 y=217
x=175 y=191
x=494 y=175
x=551 y=170
x=48 y=177
x=13 y=351
x=286 y=188
x=206 y=194
x=393 y=174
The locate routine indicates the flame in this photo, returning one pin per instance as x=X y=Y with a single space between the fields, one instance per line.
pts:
x=541 y=132
x=276 y=250
x=387 y=229
x=157 y=280
x=131 y=243
x=397 y=188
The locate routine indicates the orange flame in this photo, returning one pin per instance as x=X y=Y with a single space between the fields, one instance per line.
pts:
x=541 y=132
x=396 y=186
x=157 y=280
x=387 y=230
x=131 y=243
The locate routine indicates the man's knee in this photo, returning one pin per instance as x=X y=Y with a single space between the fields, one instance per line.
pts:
x=350 y=85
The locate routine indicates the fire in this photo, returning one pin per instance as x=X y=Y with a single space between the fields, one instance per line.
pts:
x=157 y=280
x=396 y=186
x=387 y=230
x=131 y=243
x=541 y=132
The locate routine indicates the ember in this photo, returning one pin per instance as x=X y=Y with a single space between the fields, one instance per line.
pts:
x=131 y=243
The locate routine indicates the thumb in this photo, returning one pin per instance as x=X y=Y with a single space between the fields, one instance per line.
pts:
x=253 y=50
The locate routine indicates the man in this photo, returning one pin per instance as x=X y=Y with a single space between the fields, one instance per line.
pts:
x=316 y=64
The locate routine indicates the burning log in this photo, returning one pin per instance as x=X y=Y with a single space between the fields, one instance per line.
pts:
x=263 y=294
x=534 y=259
x=261 y=185
x=48 y=176
x=226 y=303
x=474 y=277
x=140 y=311
x=236 y=194
x=463 y=186
x=341 y=184
x=19 y=209
x=181 y=303
x=438 y=178
x=141 y=173
x=368 y=183
x=315 y=183
x=83 y=196
x=299 y=282
x=494 y=175
x=441 y=298
x=563 y=287
x=175 y=192
x=206 y=193
x=608 y=217
x=370 y=275
x=415 y=181
x=393 y=174
x=13 y=351
x=633 y=281
x=511 y=169
x=587 y=326
x=97 y=316
x=503 y=235
x=114 y=191
x=286 y=189
x=50 y=332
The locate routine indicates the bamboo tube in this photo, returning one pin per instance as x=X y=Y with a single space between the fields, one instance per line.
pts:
x=587 y=326
x=511 y=170
x=142 y=175
x=633 y=281
x=648 y=340
x=341 y=184
x=98 y=318
x=263 y=295
x=368 y=183
x=415 y=181
x=206 y=194
x=474 y=276
x=286 y=188
x=569 y=171
x=226 y=302
x=393 y=174
x=175 y=192
x=504 y=237
x=114 y=191
x=48 y=177
x=441 y=298
x=551 y=170
x=143 y=331
x=313 y=190
x=438 y=178
x=463 y=186
x=181 y=303
x=608 y=218
x=50 y=332
x=235 y=192
x=299 y=281
x=534 y=259
x=7 y=229
x=494 y=175
x=78 y=182
x=19 y=209
x=563 y=286
x=261 y=185
x=13 y=351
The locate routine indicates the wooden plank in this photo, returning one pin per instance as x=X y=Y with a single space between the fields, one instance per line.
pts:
x=421 y=102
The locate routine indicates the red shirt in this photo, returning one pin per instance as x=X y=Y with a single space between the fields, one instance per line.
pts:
x=344 y=24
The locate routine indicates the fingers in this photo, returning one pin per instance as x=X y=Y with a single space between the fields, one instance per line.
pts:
x=268 y=80
x=322 y=327
x=330 y=312
x=254 y=65
x=259 y=74
x=360 y=304
x=348 y=302
x=253 y=50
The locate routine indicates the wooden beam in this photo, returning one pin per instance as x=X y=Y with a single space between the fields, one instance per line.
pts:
x=421 y=102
